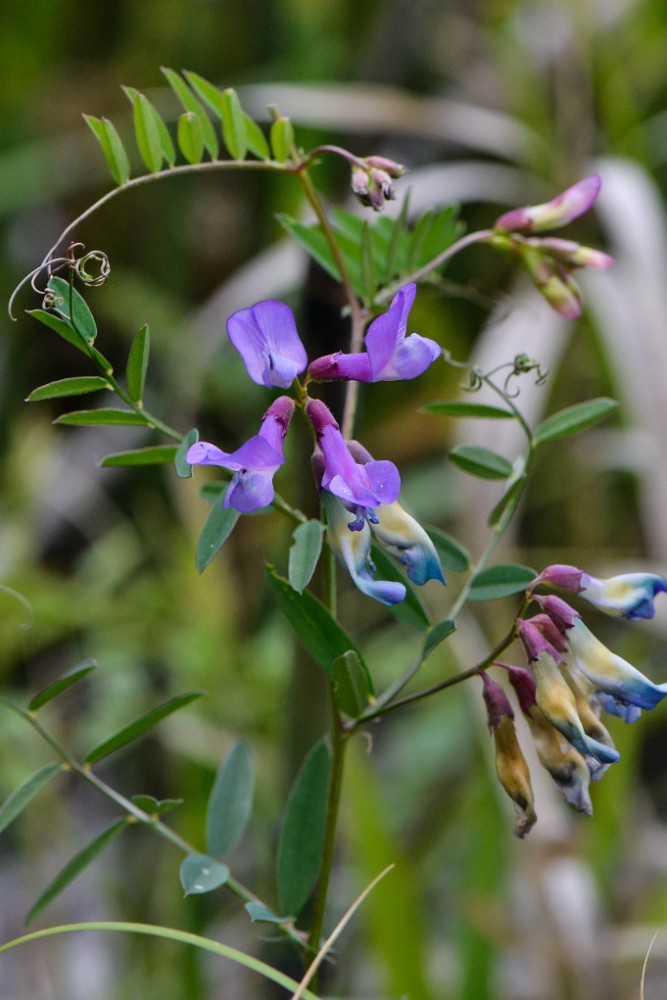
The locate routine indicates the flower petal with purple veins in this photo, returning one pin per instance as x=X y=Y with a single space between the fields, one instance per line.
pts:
x=266 y=337
x=391 y=354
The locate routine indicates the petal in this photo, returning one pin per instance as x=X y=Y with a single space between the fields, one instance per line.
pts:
x=256 y=454
x=405 y=538
x=266 y=337
x=250 y=490
x=204 y=453
x=630 y=595
x=332 y=367
x=565 y=207
x=610 y=673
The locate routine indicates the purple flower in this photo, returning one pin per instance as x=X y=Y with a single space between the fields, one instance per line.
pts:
x=565 y=207
x=361 y=487
x=389 y=356
x=255 y=463
x=266 y=337
x=628 y=595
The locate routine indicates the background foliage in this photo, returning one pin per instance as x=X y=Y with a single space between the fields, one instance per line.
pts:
x=492 y=104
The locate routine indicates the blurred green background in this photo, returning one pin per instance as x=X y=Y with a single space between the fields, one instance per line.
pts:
x=491 y=103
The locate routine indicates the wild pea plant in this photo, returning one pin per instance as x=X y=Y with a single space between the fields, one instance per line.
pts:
x=569 y=680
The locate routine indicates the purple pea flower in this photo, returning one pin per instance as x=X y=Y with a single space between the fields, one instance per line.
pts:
x=565 y=207
x=628 y=595
x=266 y=337
x=389 y=355
x=361 y=487
x=255 y=463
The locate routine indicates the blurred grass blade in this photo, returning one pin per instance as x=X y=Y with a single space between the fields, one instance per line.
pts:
x=76 y=866
x=219 y=525
x=230 y=804
x=302 y=834
x=304 y=554
x=68 y=387
x=112 y=148
x=192 y=106
x=158 y=454
x=61 y=684
x=199 y=874
x=140 y=726
x=137 y=364
x=233 y=125
x=22 y=796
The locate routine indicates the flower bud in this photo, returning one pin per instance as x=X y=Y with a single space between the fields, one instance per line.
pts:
x=565 y=207
x=511 y=766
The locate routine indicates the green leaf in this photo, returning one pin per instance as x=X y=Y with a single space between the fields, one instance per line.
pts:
x=352 y=688
x=257 y=142
x=304 y=554
x=147 y=129
x=219 y=525
x=230 y=803
x=71 y=306
x=183 y=467
x=68 y=387
x=103 y=417
x=500 y=581
x=22 y=796
x=153 y=806
x=282 y=139
x=200 y=874
x=157 y=454
x=140 y=726
x=61 y=327
x=212 y=492
x=444 y=228
x=302 y=834
x=192 y=106
x=410 y=610
x=233 y=124
x=399 y=242
x=462 y=408
x=437 y=635
x=76 y=866
x=480 y=462
x=576 y=418
x=452 y=554
x=508 y=501
x=313 y=241
x=317 y=629
x=52 y=690
x=260 y=913
x=137 y=364
x=368 y=273
x=190 y=137
x=210 y=94
x=112 y=148
x=418 y=239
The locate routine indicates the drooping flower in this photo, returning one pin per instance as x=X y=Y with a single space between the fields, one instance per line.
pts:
x=389 y=355
x=565 y=207
x=255 y=463
x=372 y=180
x=403 y=536
x=352 y=549
x=555 y=698
x=362 y=487
x=511 y=766
x=266 y=337
x=628 y=595
x=566 y=765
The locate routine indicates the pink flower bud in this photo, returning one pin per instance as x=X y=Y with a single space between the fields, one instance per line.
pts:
x=391 y=167
x=565 y=207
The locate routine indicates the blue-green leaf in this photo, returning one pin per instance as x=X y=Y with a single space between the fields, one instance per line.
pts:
x=76 y=866
x=437 y=635
x=315 y=626
x=462 y=408
x=73 y=308
x=219 y=525
x=157 y=454
x=61 y=326
x=22 y=796
x=140 y=726
x=260 y=913
x=68 y=387
x=183 y=467
x=137 y=365
x=230 y=803
x=452 y=554
x=52 y=690
x=102 y=417
x=481 y=462
x=410 y=610
x=200 y=874
x=353 y=688
x=576 y=418
x=500 y=581
x=304 y=553
x=302 y=834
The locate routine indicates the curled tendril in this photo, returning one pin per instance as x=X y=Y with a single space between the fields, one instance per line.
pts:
x=81 y=265
x=521 y=365
x=101 y=268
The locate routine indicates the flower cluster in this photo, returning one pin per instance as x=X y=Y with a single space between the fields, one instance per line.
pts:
x=573 y=677
x=550 y=261
x=353 y=484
